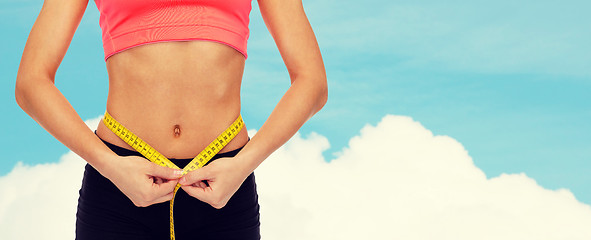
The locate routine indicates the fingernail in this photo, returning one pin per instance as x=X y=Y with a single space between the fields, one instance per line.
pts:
x=182 y=180
x=178 y=173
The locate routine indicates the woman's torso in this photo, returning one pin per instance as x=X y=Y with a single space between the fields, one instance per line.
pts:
x=193 y=86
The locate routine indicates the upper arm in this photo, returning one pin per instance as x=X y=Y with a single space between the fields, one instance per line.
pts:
x=291 y=30
x=50 y=37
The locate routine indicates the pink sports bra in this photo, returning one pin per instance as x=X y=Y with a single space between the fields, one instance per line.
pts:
x=130 y=23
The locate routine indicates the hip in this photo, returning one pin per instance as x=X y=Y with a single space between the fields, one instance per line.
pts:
x=105 y=212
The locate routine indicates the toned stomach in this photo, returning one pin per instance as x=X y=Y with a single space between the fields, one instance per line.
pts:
x=176 y=96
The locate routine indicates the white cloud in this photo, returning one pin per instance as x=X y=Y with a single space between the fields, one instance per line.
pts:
x=398 y=181
x=394 y=181
x=39 y=202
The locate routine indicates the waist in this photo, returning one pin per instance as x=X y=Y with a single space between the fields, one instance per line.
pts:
x=180 y=162
x=176 y=96
x=177 y=124
x=179 y=138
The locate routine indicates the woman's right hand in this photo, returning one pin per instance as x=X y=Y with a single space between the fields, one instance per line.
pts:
x=142 y=181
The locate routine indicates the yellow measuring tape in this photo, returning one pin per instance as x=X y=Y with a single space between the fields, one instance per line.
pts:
x=154 y=156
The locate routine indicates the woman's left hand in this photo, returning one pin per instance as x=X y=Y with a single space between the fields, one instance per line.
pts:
x=224 y=176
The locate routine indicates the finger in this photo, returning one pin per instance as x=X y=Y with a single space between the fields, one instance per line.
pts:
x=164 y=188
x=159 y=180
x=196 y=176
x=203 y=194
x=164 y=172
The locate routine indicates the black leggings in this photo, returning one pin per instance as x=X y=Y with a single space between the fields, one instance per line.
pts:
x=104 y=212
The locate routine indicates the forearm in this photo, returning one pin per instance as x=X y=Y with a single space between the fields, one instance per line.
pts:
x=298 y=104
x=41 y=100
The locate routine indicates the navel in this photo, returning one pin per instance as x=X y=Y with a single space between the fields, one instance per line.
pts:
x=177 y=131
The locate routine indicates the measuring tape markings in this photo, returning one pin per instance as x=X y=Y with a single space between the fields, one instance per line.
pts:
x=154 y=156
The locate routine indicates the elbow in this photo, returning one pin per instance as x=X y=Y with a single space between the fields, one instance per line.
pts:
x=321 y=92
x=23 y=90
x=317 y=87
x=323 y=95
x=19 y=93
x=314 y=85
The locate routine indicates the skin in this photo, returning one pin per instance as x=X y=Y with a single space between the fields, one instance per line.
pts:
x=194 y=85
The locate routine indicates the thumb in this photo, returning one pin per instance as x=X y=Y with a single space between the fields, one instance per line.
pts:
x=164 y=172
x=196 y=176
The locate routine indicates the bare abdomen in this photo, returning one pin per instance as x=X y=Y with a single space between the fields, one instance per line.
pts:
x=176 y=96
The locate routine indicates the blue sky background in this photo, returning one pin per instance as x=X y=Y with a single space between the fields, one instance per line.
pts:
x=509 y=80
